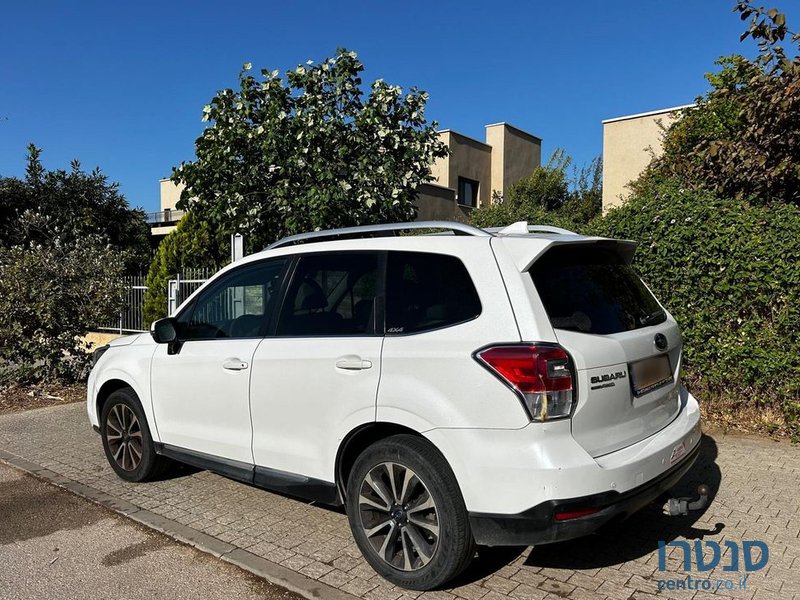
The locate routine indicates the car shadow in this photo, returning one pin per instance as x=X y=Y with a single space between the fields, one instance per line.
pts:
x=619 y=542
x=176 y=470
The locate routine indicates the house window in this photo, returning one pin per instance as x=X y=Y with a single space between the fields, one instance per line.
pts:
x=467 y=192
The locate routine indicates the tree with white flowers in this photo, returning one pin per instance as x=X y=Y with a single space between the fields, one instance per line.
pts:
x=309 y=150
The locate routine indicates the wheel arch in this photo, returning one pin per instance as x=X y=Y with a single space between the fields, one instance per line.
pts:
x=357 y=441
x=364 y=436
x=109 y=387
x=117 y=379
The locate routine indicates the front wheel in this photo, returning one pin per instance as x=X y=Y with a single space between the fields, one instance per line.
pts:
x=407 y=514
x=126 y=438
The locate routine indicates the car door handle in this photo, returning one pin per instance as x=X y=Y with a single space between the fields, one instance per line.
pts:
x=234 y=364
x=353 y=363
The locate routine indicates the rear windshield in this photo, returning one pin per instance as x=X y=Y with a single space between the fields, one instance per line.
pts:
x=590 y=288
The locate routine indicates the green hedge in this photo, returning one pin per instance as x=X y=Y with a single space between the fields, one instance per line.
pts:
x=730 y=274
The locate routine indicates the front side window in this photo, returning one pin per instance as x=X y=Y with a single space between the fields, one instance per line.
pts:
x=237 y=306
x=427 y=291
x=331 y=294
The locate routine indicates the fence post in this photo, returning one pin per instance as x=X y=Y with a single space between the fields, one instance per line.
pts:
x=172 y=294
x=237 y=246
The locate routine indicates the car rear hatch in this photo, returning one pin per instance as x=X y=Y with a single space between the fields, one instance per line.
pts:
x=625 y=347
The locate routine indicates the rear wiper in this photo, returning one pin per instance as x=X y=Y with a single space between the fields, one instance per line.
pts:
x=654 y=317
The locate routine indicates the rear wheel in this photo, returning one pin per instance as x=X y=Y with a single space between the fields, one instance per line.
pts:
x=126 y=438
x=407 y=514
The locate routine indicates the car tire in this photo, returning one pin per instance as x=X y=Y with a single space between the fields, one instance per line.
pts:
x=126 y=438
x=414 y=532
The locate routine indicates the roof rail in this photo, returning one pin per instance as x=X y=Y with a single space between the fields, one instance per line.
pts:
x=522 y=228
x=377 y=231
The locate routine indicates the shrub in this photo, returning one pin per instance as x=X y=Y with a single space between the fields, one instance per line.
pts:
x=79 y=203
x=548 y=196
x=730 y=274
x=191 y=246
x=50 y=295
x=500 y=214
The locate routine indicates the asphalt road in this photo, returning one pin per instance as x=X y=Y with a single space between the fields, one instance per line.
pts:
x=54 y=545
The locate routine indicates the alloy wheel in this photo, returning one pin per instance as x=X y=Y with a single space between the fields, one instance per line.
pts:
x=124 y=436
x=399 y=516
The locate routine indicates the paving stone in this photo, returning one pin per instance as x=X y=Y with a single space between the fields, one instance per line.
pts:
x=316 y=569
x=383 y=591
x=527 y=592
x=470 y=591
x=529 y=576
x=336 y=578
x=358 y=586
x=297 y=562
x=582 y=594
x=584 y=581
x=500 y=584
x=559 y=588
x=757 y=499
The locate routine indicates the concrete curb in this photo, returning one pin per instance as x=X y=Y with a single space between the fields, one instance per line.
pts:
x=272 y=572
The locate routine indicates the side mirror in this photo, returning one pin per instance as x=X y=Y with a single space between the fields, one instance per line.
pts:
x=164 y=331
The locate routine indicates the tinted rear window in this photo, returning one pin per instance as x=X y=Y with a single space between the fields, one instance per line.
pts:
x=428 y=291
x=589 y=288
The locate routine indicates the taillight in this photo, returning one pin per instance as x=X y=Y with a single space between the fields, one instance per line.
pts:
x=540 y=375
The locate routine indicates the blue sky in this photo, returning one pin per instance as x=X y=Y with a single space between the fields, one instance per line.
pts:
x=122 y=85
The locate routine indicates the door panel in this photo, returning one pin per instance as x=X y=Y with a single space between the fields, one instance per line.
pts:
x=201 y=385
x=199 y=404
x=318 y=378
x=302 y=403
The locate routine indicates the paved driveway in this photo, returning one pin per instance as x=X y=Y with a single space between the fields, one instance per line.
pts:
x=758 y=500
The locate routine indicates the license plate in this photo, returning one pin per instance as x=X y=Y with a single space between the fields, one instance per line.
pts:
x=650 y=374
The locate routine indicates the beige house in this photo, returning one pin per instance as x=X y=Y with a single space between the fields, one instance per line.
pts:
x=629 y=144
x=462 y=181
x=165 y=220
x=466 y=178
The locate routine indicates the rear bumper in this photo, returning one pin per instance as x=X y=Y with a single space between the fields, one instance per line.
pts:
x=538 y=525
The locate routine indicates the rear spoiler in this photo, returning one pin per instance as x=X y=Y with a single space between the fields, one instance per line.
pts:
x=524 y=255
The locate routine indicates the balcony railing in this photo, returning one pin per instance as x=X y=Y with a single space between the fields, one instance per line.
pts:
x=165 y=217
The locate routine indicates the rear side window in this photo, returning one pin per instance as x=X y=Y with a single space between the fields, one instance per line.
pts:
x=427 y=291
x=592 y=289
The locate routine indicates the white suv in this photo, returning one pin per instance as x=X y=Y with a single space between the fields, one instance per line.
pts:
x=509 y=387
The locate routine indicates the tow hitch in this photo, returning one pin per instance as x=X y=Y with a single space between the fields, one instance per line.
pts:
x=676 y=507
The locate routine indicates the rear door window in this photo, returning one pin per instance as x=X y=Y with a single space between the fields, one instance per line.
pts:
x=331 y=294
x=427 y=291
x=592 y=289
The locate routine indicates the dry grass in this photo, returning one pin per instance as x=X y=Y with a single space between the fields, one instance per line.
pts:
x=725 y=415
x=15 y=398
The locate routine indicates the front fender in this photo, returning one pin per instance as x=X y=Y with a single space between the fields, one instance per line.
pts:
x=131 y=366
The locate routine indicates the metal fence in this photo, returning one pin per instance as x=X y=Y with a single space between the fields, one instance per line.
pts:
x=131 y=317
x=184 y=285
x=164 y=217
